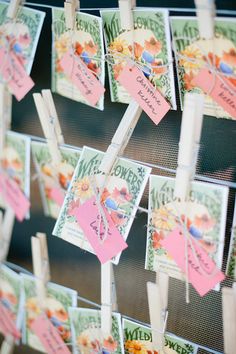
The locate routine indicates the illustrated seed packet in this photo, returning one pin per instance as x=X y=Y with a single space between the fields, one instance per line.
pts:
x=87 y=335
x=204 y=215
x=11 y=295
x=193 y=53
x=56 y=306
x=86 y=42
x=150 y=46
x=231 y=263
x=16 y=161
x=22 y=35
x=138 y=337
x=121 y=196
x=53 y=183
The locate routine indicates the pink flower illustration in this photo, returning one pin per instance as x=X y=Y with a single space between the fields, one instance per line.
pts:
x=74 y=205
x=122 y=195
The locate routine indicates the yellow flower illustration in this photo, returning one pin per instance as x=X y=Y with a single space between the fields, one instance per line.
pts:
x=162 y=219
x=83 y=188
x=194 y=55
x=62 y=45
x=135 y=347
x=120 y=46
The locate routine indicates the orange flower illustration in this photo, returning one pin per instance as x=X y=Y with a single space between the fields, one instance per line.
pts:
x=158 y=70
x=110 y=344
x=153 y=46
x=232 y=80
x=138 y=49
x=78 y=48
x=214 y=59
x=188 y=81
x=91 y=48
x=156 y=238
x=117 y=70
x=93 y=67
x=230 y=57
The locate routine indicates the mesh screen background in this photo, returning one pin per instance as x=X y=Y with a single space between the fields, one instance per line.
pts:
x=201 y=320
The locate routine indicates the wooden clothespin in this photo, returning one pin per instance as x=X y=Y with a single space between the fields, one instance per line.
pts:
x=50 y=123
x=115 y=149
x=126 y=16
x=5 y=114
x=70 y=7
x=229 y=318
x=189 y=136
x=205 y=15
x=13 y=8
x=40 y=266
x=48 y=99
x=158 y=313
x=8 y=345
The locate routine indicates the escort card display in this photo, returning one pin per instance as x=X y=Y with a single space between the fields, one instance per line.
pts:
x=139 y=336
x=84 y=43
x=87 y=335
x=11 y=304
x=231 y=263
x=204 y=214
x=53 y=183
x=16 y=162
x=56 y=306
x=149 y=45
x=193 y=53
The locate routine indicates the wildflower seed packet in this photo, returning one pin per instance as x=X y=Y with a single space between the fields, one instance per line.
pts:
x=139 y=337
x=11 y=294
x=57 y=303
x=22 y=35
x=231 y=263
x=53 y=184
x=193 y=53
x=16 y=161
x=87 y=335
x=204 y=215
x=149 y=44
x=121 y=196
x=86 y=42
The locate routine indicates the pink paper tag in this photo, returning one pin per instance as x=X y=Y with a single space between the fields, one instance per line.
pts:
x=223 y=92
x=174 y=243
x=150 y=99
x=57 y=195
x=14 y=196
x=49 y=336
x=88 y=217
x=14 y=73
x=7 y=324
x=83 y=79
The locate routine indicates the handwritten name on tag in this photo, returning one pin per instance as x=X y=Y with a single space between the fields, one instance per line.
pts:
x=150 y=99
x=49 y=336
x=106 y=246
x=57 y=195
x=14 y=196
x=13 y=72
x=7 y=325
x=222 y=91
x=202 y=272
x=82 y=78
